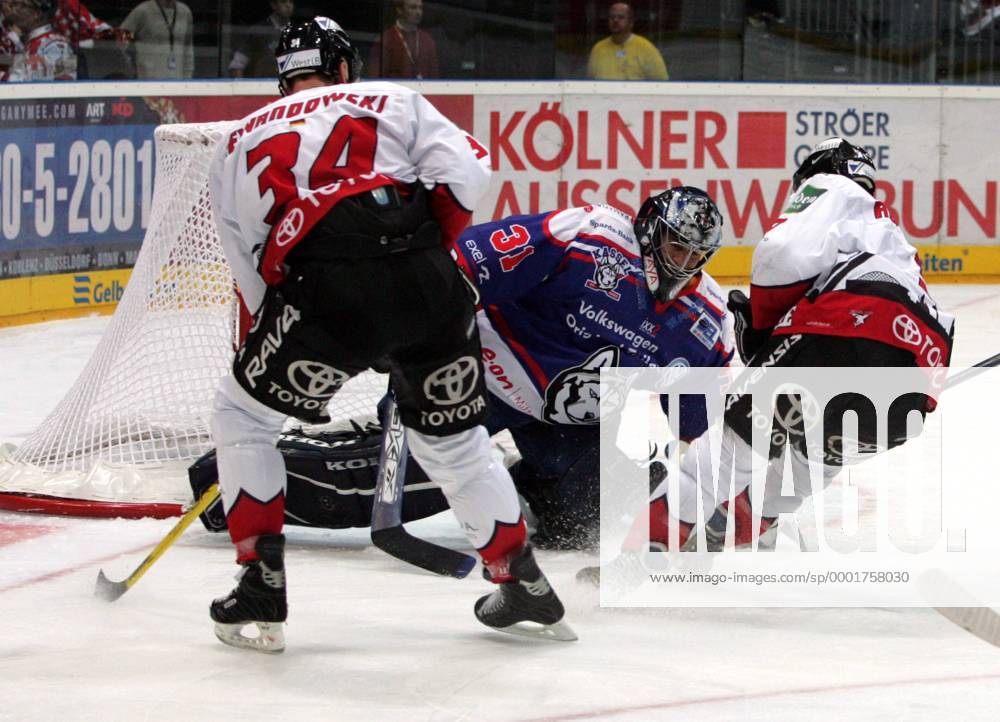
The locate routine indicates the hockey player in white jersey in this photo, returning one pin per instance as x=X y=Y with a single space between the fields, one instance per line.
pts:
x=561 y=295
x=336 y=207
x=831 y=282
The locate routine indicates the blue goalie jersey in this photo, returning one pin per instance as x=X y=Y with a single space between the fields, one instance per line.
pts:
x=563 y=294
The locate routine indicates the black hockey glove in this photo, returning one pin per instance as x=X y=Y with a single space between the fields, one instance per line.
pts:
x=748 y=340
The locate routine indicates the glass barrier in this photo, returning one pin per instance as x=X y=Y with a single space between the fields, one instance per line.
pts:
x=853 y=41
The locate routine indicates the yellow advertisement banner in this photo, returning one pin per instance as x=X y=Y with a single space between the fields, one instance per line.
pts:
x=65 y=295
x=71 y=295
x=942 y=264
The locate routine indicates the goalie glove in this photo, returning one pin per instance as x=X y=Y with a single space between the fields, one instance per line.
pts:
x=748 y=339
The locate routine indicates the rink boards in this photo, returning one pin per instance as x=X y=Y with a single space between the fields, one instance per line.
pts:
x=77 y=166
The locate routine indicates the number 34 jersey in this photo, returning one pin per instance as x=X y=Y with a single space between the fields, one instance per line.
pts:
x=284 y=166
x=563 y=294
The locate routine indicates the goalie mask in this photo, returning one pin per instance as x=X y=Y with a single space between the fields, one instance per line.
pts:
x=678 y=232
x=838 y=157
x=315 y=46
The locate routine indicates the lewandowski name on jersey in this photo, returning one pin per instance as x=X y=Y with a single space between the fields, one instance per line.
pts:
x=284 y=166
x=563 y=294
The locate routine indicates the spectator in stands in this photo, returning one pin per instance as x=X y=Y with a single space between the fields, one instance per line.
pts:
x=10 y=44
x=164 y=43
x=404 y=50
x=254 y=53
x=79 y=25
x=624 y=55
x=44 y=53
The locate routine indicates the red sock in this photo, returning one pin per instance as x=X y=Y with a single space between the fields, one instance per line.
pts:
x=659 y=529
x=249 y=519
x=507 y=540
x=743 y=517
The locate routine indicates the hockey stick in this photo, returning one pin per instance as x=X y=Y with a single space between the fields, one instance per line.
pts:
x=978 y=620
x=973 y=370
x=110 y=591
x=388 y=533
x=982 y=622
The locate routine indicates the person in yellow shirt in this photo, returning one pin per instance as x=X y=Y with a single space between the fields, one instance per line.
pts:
x=624 y=55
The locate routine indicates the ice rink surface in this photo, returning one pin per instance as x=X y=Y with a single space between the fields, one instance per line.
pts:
x=370 y=638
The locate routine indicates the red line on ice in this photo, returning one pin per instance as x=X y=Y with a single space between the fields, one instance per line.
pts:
x=973 y=301
x=13 y=533
x=69 y=570
x=744 y=697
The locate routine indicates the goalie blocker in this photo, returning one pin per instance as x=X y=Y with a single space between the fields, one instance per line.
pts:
x=330 y=481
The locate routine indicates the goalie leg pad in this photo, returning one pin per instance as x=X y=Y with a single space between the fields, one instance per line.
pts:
x=558 y=476
x=330 y=481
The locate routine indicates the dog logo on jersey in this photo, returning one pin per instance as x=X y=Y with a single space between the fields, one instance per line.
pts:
x=860 y=317
x=574 y=395
x=610 y=267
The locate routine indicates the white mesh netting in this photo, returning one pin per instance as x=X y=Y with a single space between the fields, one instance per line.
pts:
x=138 y=414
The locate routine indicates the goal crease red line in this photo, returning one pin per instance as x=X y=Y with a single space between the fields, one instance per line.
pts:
x=41 y=504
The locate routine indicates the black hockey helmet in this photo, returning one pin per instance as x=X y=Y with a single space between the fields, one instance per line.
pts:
x=678 y=232
x=315 y=46
x=837 y=156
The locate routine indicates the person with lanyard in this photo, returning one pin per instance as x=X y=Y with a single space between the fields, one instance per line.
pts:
x=404 y=50
x=164 y=44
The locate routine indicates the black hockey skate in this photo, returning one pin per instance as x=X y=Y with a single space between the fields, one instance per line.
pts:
x=528 y=606
x=258 y=599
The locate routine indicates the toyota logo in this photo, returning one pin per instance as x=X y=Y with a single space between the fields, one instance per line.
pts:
x=795 y=405
x=454 y=383
x=315 y=379
x=289 y=227
x=906 y=330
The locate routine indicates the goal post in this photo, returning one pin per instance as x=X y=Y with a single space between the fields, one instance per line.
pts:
x=120 y=441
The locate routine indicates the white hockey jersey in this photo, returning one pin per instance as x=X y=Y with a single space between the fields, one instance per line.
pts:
x=837 y=264
x=286 y=165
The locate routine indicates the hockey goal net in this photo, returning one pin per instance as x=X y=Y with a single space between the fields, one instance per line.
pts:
x=119 y=443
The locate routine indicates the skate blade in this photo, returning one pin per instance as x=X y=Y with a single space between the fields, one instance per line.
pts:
x=589 y=575
x=618 y=577
x=270 y=641
x=560 y=631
